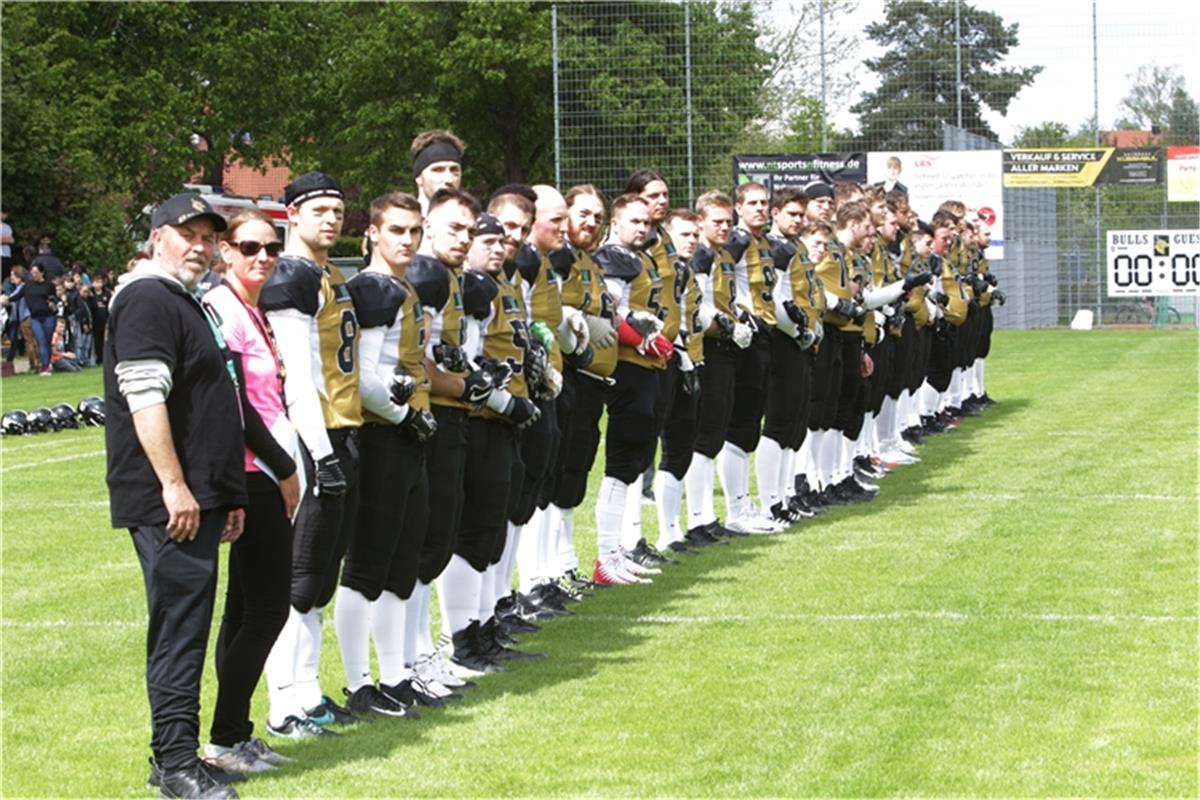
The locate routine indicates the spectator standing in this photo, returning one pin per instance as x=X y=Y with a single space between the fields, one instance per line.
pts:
x=101 y=294
x=22 y=322
x=41 y=298
x=83 y=321
x=258 y=593
x=6 y=245
x=52 y=266
x=175 y=472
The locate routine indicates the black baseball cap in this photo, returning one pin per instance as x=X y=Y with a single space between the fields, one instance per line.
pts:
x=183 y=208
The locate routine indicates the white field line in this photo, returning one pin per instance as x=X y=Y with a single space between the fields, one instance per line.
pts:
x=1042 y=496
x=721 y=619
x=43 y=462
x=44 y=444
x=893 y=616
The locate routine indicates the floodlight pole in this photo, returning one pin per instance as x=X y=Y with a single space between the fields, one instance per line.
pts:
x=824 y=85
x=958 y=83
x=554 y=61
x=1096 y=187
x=687 y=75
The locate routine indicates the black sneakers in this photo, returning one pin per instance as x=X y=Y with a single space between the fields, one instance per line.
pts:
x=370 y=701
x=329 y=712
x=648 y=555
x=489 y=645
x=198 y=780
x=468 y=655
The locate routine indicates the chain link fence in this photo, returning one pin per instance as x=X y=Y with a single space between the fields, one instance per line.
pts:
x=683 y=86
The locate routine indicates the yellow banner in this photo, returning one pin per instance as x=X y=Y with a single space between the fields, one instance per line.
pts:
x=1049 y=167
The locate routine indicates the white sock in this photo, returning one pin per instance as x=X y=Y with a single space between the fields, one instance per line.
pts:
x=425 y=643
x=412 y=625
x=982 y=387
x=281 y=672
x=862 y=445
x=566 y=557
x=698 y=481
x=388 y=615
x=768 y=463
x=804 y=459
x=459 y=587
x=487 y=593
x=308 y=659
x=528 y=568
x=352 y=619
x=610 y=513
x=734 y=465
x=548 y=542
x=631 y=523
x=787 y=475
x=668 y=496
x=502 y=580
x=884 y=424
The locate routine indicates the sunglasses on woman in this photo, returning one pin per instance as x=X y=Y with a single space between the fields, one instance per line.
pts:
x=250 y=249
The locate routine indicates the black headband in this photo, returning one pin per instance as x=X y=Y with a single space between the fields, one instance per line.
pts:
x=487 y=224
x=433 y=153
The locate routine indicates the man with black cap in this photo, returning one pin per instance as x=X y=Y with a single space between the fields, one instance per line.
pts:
x=437 y=163
x=311 y=310
x=175 y=473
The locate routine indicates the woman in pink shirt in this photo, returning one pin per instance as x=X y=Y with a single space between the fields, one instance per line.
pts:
x=257 y=598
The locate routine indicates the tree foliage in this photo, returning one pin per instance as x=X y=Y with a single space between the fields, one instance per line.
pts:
x=1158 y=100
x=918 y=88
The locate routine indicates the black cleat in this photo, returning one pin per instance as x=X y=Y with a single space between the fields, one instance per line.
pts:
x=830 y=496
x=681 y=548
x=409 y=693
x=329 y=712
x=370 y=701
x=489 y=646
x=154 y=781
x=467 y=654
x=514 y=624
x=195 y=781
x=648 y=555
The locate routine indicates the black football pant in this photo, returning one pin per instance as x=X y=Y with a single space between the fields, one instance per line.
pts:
x=680 y=429
x=750 y=393
x=393 y=514
x=181 y=584
x=256 y=607
x=539 y=448
x=445 y=465
x=323 y=527
x=494 y=473
x=564 y=407
x=789 y=385
x=942 y=351
x=581 y=441
x=852 y=399
x=827 y=380
x=716 y=396
x=630 y=439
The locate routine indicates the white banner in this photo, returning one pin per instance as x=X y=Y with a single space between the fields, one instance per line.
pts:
x=976 y=177
x=1152 y=263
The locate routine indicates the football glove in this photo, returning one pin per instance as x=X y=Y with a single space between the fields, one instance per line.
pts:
x=476 y=387
x=401 y=386
x=657 y=346
x=500 y=372
x=917 y=279
x=999 y=296
x=850 y=310
x=742 y=335
x=420 y=423
x=550 y=386
x=805 y=338
x=795 y=314
x=942 y=299
x=601 y=332
x=520 y=411
x=581 y=359
x=330 y=478
x=536 y=362
x=645 y=323
x=450 y=358
x=725 y=325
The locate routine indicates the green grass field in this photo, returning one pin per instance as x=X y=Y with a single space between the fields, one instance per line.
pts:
x=1014 y=616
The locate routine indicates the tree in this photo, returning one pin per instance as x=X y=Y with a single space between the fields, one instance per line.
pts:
x=918 y=89
x=1051 y=134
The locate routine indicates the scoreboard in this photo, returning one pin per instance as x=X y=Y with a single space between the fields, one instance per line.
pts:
x=1153 y=263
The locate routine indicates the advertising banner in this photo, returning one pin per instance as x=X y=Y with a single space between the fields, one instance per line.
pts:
x=799 y=169
x=1183 y=174
x=1081 y=167
x=1152 y=263
x=931 y=178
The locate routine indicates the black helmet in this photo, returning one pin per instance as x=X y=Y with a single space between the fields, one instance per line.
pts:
x=14 y=423
x=42 y=421
x=64 y=416
x=91 y=411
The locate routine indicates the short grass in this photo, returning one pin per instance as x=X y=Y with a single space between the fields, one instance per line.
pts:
x=1014 y=616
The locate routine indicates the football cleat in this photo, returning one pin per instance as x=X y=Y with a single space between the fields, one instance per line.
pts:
x=648 y=555
x=754 y=524
x=329 y=712
x=294 y=727
x=608 y=572
x=634 y=567
x=239 y=758
x=369 y=700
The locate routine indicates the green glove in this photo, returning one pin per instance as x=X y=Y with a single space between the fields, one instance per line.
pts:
x=542 y=331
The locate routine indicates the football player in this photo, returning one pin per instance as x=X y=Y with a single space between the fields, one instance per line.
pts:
x=437 y=163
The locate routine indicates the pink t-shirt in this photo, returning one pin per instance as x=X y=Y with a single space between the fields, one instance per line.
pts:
x=244 y=328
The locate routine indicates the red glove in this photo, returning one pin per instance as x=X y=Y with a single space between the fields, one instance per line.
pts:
x=627 y=336
x=867 y=367
x=659 y=346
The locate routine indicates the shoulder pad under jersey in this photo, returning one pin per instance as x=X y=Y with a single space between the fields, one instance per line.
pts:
x=739 y=240
x=529 y=262
x=377 y=298
x=782 y=251
x=618 y=261
x=702 y=261
x=479 y=290
x=563 y=260
x=431 y=279
x=295 y=284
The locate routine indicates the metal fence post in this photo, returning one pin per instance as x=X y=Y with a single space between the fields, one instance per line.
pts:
x=557 y=110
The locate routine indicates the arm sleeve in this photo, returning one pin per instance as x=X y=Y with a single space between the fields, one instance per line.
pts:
x=144 y=382
x=293 y=333
x=258 y=437
x=375 y=395
x=874 y=298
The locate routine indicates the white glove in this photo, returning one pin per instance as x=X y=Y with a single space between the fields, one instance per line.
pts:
x=573 y=332
x=601 y=332
x=685 y=363
x=819 y=330
x=552 y=380
x=742 y=334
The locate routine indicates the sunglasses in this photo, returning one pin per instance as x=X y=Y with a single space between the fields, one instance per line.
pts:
x=250 y=249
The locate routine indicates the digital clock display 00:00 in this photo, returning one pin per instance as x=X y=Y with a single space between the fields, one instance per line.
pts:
x=1139 y=270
